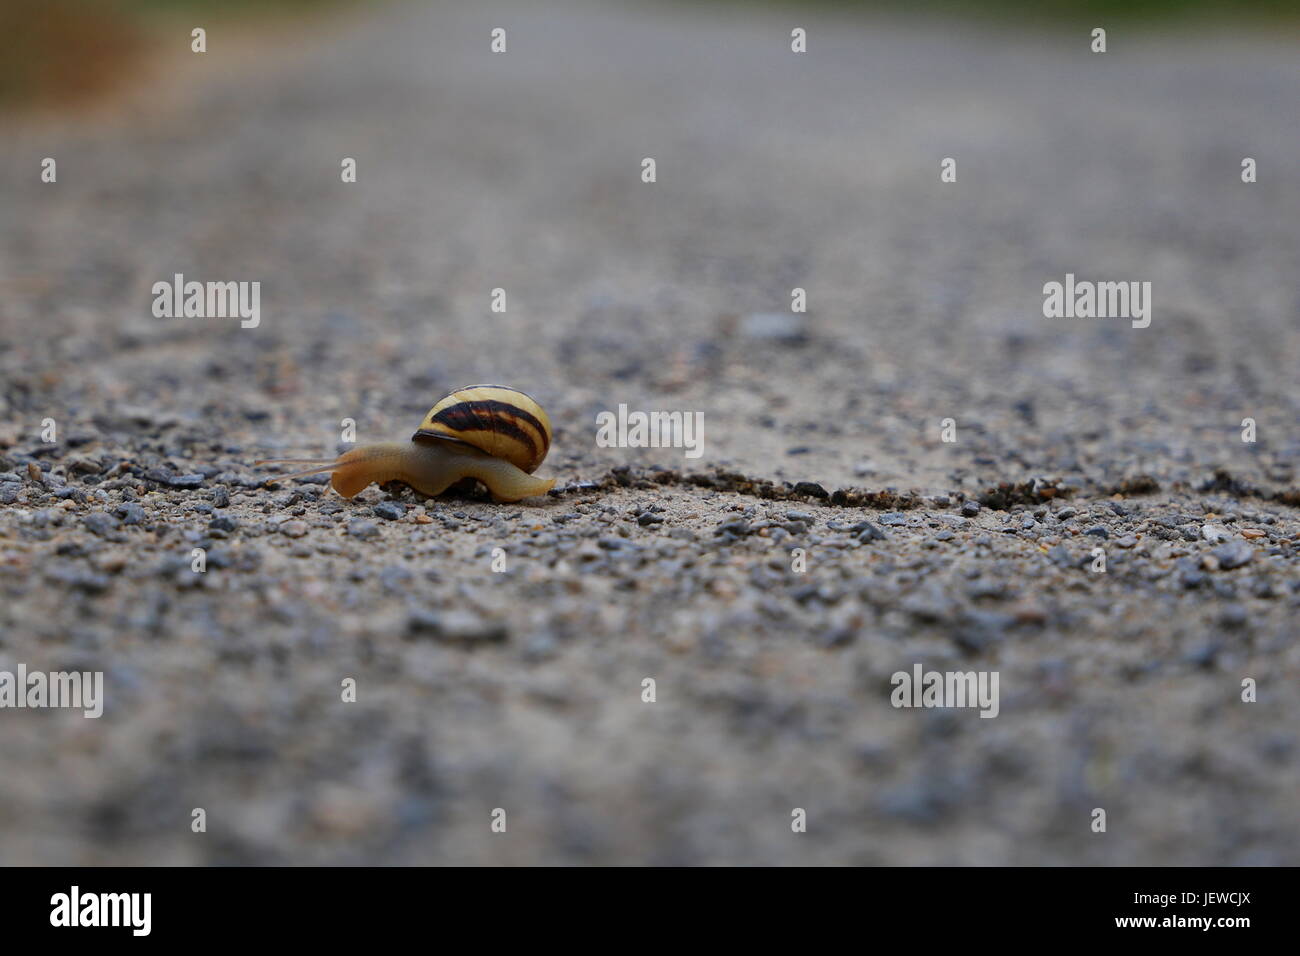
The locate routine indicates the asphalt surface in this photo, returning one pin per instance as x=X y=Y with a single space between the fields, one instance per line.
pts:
x=522 y=689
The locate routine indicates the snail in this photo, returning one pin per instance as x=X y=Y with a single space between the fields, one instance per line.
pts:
x=492 y=433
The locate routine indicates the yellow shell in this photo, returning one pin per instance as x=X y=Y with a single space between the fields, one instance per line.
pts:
x=504 y=422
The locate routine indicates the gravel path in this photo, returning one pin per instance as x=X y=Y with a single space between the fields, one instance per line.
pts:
x=522 y=689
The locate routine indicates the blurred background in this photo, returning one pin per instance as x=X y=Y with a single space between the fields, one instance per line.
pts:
x=64 y=51
x=775 y=171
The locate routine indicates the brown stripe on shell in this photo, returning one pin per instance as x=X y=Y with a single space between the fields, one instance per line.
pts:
x=470 y=416
x=501 y=418
x=519 y=410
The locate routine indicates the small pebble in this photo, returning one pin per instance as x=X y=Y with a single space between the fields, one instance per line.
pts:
x=811 y=489
x=100 y=522
x=738 y=527
x=1233 y=555
x=131 y=512
x=1234 y=615
x=1060 y=556
x=457 y=627
x=869 y=532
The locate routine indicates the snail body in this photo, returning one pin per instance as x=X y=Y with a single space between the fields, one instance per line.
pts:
x=491 y=433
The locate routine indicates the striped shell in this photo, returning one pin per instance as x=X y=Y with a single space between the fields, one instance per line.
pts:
x=504 y=422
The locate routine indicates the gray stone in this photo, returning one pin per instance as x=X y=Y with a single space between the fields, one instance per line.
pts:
x=1233 y=555
x=100 y=522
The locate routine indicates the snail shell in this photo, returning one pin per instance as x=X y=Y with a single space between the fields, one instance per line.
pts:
x=504 y=422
